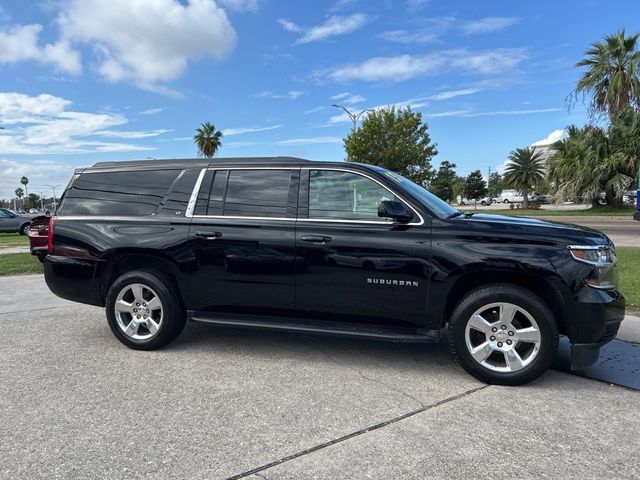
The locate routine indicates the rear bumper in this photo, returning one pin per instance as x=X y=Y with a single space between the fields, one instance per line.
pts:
x=73 y=279
x=597 y=317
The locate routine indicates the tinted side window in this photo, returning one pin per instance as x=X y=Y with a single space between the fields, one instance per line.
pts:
x=345 y=196
x=257 y=193
x=178 y=199
x=117 y=193
x=211 y=196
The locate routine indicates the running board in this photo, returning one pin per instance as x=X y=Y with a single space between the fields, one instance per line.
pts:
x=378 y=332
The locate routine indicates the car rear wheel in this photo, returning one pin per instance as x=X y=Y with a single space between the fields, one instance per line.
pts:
x=144 y=311
x=24 y=229
x=503 y=334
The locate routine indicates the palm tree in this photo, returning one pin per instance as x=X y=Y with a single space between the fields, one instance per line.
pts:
x=207 y=139
x=19 y=194
x=612 y=74
x=591 y=160
x=524 y=171
x=24 y=181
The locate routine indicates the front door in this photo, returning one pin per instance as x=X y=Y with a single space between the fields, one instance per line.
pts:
x=242 y=238
x=358 y=267
x=8 y=221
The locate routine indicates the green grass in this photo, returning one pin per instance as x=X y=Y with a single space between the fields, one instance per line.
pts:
x=15 y=263
x=629 y=274
x=13 y=240
x=604 y=211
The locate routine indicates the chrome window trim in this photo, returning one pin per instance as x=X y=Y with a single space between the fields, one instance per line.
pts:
x=198 y=184
x=194 y=194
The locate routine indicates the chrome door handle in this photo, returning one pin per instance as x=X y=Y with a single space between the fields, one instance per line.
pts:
x=208 y=235
x=316 y=239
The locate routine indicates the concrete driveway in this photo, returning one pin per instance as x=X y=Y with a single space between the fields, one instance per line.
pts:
x=223 y=403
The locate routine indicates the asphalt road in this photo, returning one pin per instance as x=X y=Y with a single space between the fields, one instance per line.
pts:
x=222 y=403
x=623 y=231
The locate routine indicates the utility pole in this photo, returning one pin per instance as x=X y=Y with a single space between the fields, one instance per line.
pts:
x=353 y=116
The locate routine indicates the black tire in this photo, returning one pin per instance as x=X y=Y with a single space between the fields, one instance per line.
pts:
x=173 y=317
x=483 y=203
x=24 y=229
x=523 y=299
x=506 y=201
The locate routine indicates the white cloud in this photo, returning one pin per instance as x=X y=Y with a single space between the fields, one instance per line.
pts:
x=334 y=26
x=314 y=110
x=404 y=67
x=131 y=133
x=414 y=6
x=309 y=141
x=453 y=93
x=251 y=6
x=41 y=173
x=43 y=124
x=289 y=26
x=553 y=137
x=471 y=113
x=151 y=111
x=239 y=131
x=409 y=38
x=290 y=95
x=20 y=43
x=348 y=98
x=488 y=25
x=147 y=42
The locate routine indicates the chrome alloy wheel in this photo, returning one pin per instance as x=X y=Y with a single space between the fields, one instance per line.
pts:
x=138 y=311
x=503 y=337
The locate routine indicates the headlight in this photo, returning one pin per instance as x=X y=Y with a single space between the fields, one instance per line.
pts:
x=596 y=255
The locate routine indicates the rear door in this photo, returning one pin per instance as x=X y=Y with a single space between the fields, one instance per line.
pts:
x=242 y=238
x=358 y=267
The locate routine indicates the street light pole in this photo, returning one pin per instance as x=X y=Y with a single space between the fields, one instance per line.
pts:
x=53 y=187
x=353 y=116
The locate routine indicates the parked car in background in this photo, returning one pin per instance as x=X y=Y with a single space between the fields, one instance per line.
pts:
x=33 y=211
x=12 y=222
x=510 y=196
x=39 y=236
x=327 y=247
x=482 y=201
x=539 y=198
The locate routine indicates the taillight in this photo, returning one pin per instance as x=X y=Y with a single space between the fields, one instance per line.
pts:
x=52 y=222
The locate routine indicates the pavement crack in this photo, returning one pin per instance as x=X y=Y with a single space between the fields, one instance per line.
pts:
x=349 y=436
x=362 y=375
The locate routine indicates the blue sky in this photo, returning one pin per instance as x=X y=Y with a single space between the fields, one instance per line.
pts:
x=88 y=80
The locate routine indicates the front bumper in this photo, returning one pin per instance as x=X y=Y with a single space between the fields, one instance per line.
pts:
x=596 y=319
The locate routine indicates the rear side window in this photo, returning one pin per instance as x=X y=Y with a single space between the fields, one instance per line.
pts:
x=118 y=193
x=245 y=193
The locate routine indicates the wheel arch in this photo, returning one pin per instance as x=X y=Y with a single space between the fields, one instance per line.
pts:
x=117 y=262
x=546 y=286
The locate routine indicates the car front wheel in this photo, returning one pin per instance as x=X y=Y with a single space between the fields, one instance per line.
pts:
x=24 y=229
x=144 y=311
x=503 y=334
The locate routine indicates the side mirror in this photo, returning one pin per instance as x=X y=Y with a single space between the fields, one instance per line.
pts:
x=398 y=211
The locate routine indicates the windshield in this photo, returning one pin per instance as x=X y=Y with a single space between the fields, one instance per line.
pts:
x=439 y=207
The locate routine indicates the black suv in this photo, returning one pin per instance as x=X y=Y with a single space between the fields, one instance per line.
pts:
x=328 y=247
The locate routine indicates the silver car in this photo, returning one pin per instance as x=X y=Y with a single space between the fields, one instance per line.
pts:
x=11 y=222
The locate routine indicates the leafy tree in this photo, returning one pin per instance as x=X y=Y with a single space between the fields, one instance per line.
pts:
x=396 y=139
x=24 y=181
x=524 y=171
x=32 y=200
x=495 y=185
x=475 y=187
x=207 y=140
x=458 y=186
x=442 y=183
x=591 y=160
x=612 y=74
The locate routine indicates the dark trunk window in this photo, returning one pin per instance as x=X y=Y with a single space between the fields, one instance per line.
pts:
x=118 y=193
